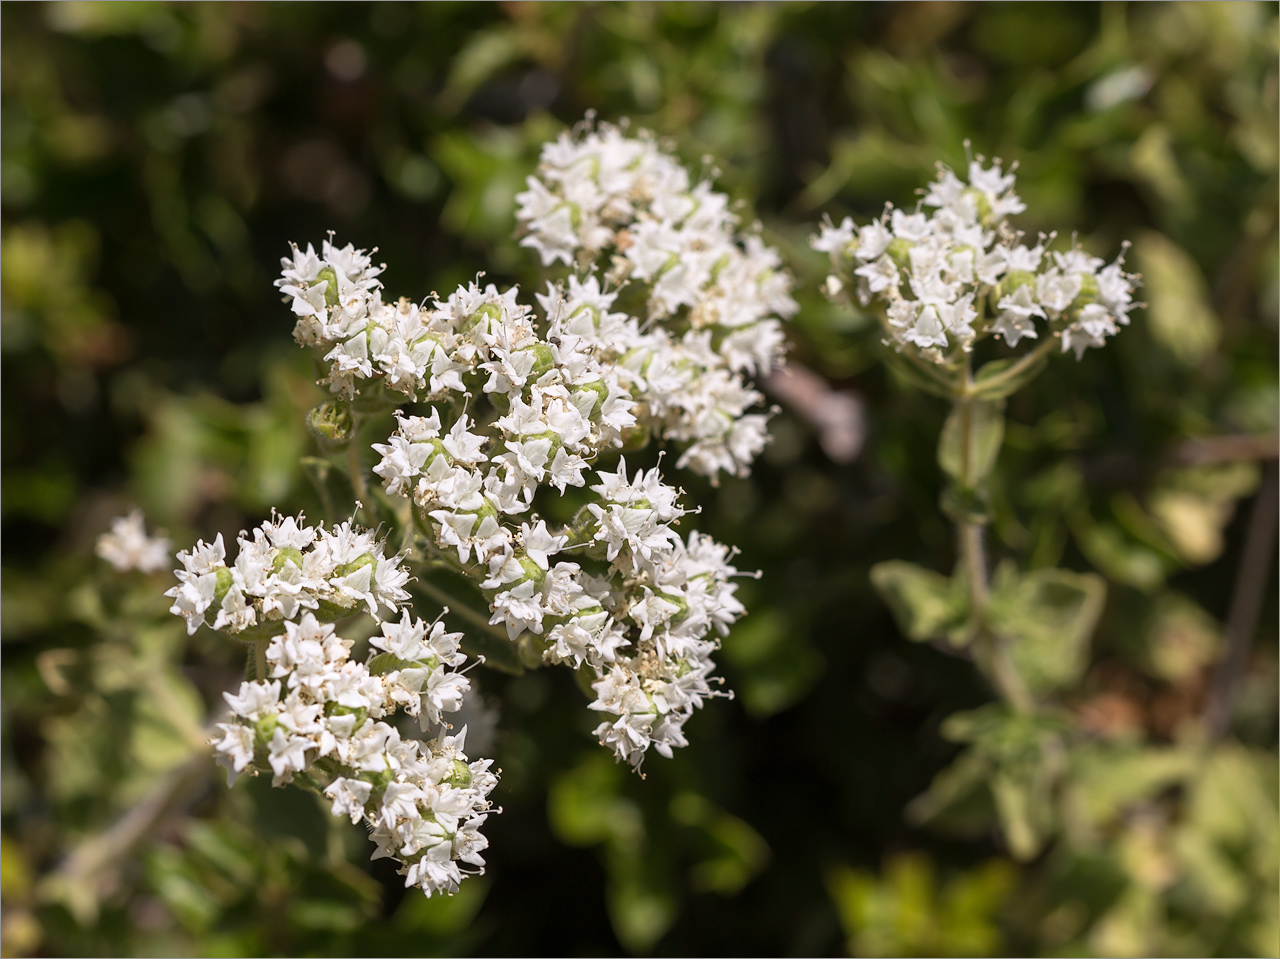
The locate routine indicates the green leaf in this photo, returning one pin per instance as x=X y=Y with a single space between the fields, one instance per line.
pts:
x=737 y=851
x=902 y=912
x=1047 y=617
x=993 y=381
x=970 y=440
x=925 y=605
x=963 y=505
x=484 y=55
x=169 y=714
x=1022 y=759
x=385 y=663
x=1023 y=817
x=1007 y=737
x=641 y=906
x=1180 y=640
x=1180 y=316
x=585 y=809
x=958 y=799
x=774 y=663
x=1118 y=555
x=1106 y=779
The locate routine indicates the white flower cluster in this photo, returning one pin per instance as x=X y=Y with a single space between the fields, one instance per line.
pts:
x=714 y=298
x=320 y=717
x=637 y=606
x=947 y=278
x=512 y=403
x=127 y=546
x=287 y=566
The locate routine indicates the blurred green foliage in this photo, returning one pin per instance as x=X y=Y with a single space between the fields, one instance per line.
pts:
x=157 y=158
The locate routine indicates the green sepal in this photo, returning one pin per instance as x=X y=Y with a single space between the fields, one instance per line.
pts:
x=364 y=559
x=598 y=387
x=287 y=554
x=337 y=709
x=487 y=311
x=543 y=360
x=223 y=585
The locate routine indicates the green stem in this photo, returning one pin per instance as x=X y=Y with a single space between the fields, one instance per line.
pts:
x=1035 y=356
x=973 y=556
x=353 y=469
x=260 y=660
x=991 y=651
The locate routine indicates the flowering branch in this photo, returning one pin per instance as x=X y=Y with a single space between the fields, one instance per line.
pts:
x=499 y=406
x=942 y=282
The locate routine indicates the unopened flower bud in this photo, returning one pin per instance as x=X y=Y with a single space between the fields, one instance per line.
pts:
x=332 y=422
x=460 y=775
x=287 y=554
x=364 y=559
x=531 y=648
x=1088 y=292
x=900 y=252
x=331 y=290
x=599 y=388
x=542 y=360
x=488 y=311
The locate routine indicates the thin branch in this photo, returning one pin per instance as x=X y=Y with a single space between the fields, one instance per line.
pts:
x=1246 y=604
x=836 y=415
x=1016 y=369
x=479 y=620
x=1208 y=450
x=356 y=473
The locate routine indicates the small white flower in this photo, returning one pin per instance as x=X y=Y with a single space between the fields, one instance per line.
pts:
x=127 y=546
x=349 y=797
